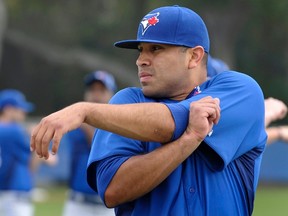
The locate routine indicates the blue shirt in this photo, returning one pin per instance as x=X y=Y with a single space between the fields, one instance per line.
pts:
x=80 y=149
x=219 y=178
x=15 y=156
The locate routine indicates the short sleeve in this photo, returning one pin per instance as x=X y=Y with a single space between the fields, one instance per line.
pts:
x=241 y=125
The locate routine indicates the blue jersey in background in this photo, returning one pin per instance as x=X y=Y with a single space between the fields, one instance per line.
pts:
x=15 y=173
x=80 y=149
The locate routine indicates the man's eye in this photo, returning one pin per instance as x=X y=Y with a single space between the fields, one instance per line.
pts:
x=155 y=48
x=139 y=49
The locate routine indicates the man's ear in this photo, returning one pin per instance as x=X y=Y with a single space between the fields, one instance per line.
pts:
x=196 y=55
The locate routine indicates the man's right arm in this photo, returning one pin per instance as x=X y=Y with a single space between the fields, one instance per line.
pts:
x=141 y=173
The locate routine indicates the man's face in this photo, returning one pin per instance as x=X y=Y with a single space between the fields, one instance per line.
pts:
x=97 y=93
x=163 y=70
x=14 y=114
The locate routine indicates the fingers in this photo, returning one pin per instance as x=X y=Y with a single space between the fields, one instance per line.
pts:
x=204 y=113
x=43 y=145
x=56 y=141
x=212 y=107
x=42 y=136
x=53 y=127
x=218 y=113
x=32 y=139
x=217 y=110
x=40 y=140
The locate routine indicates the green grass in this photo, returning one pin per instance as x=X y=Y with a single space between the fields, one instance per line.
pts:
x=53 y=205
x=269 y=201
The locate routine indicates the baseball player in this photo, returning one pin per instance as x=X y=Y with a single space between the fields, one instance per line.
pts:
x=175 y=154
x=17 y=164
x=15 y=174
x=82 y=200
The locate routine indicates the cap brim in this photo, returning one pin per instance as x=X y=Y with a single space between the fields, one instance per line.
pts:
x=27 y=107
x=133 y=44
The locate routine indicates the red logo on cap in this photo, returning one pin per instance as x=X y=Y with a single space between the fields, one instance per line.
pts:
x=149 y=20
x=153 y=20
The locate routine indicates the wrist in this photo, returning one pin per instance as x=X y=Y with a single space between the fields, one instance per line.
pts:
x=189 y=142
x=81 y=109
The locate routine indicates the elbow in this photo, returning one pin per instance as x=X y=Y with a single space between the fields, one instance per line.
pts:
x=165 y=134
x=113 y=198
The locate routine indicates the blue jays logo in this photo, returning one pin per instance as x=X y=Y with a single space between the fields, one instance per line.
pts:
x=149 y=20
x=196 y=91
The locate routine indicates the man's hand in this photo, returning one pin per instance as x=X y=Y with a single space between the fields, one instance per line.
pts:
x=277 y=133
x=274 y=110
x=53 y=127
x=203 y=115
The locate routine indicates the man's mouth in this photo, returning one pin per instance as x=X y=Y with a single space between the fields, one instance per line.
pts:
x=144 y=77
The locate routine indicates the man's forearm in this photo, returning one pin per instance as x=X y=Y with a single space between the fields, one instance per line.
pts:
x=142 y=173
x=145 y=122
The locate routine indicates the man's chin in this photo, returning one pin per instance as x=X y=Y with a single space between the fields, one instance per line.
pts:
x=153 y=94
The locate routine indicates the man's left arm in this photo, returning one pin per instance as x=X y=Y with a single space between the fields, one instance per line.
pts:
x=142 y=121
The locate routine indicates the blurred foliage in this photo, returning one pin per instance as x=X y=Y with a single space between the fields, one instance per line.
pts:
x=250 y=35
x=263 y=50
x=92 y=25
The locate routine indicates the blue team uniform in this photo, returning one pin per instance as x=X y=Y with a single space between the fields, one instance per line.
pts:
x=15 y=155
x=219 y=178
x=82 y=199
x=80 y=149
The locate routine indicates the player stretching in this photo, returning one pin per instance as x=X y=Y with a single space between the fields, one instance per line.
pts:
x=182 y=158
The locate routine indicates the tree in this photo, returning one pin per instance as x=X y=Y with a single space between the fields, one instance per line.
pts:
x=3 y=23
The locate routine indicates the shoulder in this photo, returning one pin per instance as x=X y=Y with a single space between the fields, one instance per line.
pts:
x=231 y=83
x=129 y=95
x=232 y=78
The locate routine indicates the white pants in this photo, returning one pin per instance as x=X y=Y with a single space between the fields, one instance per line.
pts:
x=76 y=206
x=15 y=204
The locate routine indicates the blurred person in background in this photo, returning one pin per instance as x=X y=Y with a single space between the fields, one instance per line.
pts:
x=17 y=163
x=275 y=109
x=82 y=200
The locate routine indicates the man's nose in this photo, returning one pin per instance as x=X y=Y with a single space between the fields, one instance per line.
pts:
x=143 y=59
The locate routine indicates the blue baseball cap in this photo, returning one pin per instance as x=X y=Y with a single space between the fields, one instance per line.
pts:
x=215 y=66
x=172 y=25
x=102 y=76
x=15 y=98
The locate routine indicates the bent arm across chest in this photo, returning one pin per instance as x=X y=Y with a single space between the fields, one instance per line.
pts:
x=145 y=121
